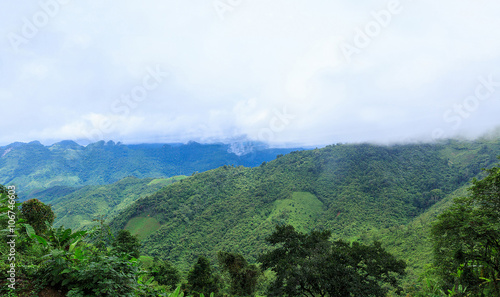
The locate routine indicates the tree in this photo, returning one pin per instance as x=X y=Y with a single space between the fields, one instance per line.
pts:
x=243 y=276
x=3 y=190
x=311 y=265
x=466 y=238
x=101 y=236
x=36 y=213
x=201 y=279
x=127 y=243
x=165 y=274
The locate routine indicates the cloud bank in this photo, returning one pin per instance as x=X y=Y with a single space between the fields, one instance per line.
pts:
x=287 y=72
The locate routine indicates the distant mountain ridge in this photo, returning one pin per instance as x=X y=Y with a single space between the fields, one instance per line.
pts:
x=33 y=166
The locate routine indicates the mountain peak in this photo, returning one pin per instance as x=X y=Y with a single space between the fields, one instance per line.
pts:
x=66 y=144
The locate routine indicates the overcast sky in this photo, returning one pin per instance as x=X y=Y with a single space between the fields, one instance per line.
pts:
x=286 y=72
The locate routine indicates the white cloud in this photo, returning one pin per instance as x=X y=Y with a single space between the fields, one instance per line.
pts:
x=227 y=77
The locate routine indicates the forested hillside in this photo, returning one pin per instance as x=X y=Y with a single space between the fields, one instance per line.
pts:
x=33 y=166
x=357 y=191
x=83 y=206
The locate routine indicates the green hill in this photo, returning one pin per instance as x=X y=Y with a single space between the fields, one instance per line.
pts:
x=357 y=191
x=80 y=206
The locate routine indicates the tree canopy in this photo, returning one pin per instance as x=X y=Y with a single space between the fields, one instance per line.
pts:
x=466 y=238
x=243 y=277
x=201 y=279
x=165 y=273
x=127 y=243
x=311 y=265
x=36 y=214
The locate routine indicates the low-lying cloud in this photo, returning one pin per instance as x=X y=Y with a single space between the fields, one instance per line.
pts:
x=286 y=72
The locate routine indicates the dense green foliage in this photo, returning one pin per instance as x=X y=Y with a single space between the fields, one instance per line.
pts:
x=126 y=243
x=81 y=269
x=80 y=208
x=165 y=274
x=467 y=238
x=310 y=265
x=32 y=166
x=37 y=214
x=201 y=278
x=356 y=191
x=60 y=260
x=243 y=277
x=23 y=253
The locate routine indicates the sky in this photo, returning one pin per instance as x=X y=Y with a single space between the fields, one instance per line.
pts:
x=284 y=72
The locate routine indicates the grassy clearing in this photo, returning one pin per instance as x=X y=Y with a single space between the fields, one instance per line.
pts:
x=142 y=226
x=166 y=181
x=300 y=211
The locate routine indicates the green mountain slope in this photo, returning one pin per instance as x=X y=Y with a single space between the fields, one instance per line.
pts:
x=82 y=205
x=52 y=193
x=410 y=242
x=353 y=190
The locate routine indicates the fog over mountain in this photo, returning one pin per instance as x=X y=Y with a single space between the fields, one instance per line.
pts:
x=286 y=73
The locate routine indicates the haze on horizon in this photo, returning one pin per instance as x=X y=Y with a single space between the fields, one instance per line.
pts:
x=287 y=73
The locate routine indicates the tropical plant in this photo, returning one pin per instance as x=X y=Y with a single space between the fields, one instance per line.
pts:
x=466 y=239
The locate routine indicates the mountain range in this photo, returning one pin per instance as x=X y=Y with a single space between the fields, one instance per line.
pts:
x=33 y=166
x=362 y=192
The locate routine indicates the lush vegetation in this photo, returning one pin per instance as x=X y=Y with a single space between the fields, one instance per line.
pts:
x=77 y=264
x=33 y=166
x=35 y=213
x=354 y=214
x=310 y=265
x=82 y=207
x=62 y=262
x=359 y=192
x=466 y=239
